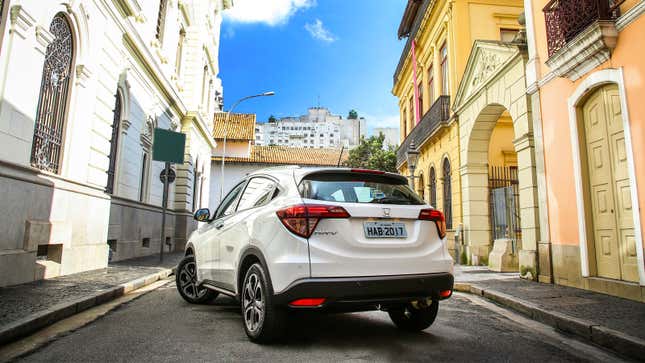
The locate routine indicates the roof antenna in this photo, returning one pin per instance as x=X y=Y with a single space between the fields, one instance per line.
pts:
x=340 y=156
x=318 y=100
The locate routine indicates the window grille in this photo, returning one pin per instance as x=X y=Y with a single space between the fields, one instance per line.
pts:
x=144 y=177
x=114 y=143
x=161 y=19
x=433 y=187
x=52 y=103
x=447 y=193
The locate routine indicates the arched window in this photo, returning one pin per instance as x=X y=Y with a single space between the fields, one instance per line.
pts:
x=421 y=187
x=204 y=86
x=114 y=143
x=196 y=186
x=433 y=187
x=447 y=193
x=52 y=104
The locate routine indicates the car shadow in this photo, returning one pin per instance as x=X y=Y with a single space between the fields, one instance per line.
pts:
x=368 y=330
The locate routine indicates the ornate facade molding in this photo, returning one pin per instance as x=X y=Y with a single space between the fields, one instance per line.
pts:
x=485 y=67
x=630 y=15
x=585 y=52
x=21 y=21
x=83 y=74
x=146 y=133
x=486 y=60
x=43 y=39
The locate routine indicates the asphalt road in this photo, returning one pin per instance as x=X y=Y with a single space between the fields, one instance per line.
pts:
x=161 y=327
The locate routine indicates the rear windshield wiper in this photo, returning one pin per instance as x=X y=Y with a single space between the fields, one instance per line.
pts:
x=390 y=200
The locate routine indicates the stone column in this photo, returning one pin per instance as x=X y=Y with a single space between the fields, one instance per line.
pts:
x=529 y=210
x=474 y=189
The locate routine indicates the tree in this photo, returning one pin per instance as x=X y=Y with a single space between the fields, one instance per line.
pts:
x=272 y=118
x=353 y=115
x=370 y=154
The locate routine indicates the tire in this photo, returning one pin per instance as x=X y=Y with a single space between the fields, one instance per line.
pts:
x=186 y=281
x=414 y=317
x=263 y=321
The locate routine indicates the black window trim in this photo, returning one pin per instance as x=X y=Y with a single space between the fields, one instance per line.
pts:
x=275 y=186
x=243 y=182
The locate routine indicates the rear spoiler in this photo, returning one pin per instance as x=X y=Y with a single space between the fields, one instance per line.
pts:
x=400 y=178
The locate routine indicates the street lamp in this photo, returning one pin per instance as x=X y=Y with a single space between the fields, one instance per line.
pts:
x=412 y=156
x=228 y=114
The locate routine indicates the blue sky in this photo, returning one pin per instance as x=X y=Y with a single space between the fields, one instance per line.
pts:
x=343 y=51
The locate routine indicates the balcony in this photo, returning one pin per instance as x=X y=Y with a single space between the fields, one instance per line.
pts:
x=580 y=35
x=436 y=117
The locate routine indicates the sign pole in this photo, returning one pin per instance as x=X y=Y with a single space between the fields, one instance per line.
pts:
x=163 y=213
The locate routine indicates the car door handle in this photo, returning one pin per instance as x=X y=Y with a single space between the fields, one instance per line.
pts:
x=219 y=225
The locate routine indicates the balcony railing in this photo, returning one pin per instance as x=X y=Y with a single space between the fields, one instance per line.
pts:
x=437 y=115
x=567 y=18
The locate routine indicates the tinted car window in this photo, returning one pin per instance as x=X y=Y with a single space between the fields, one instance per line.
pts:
x=227 y=206
x=258 y=192
x=358 y=188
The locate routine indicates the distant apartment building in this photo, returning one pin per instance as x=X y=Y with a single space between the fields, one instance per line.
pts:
x=243 y=157
x=391 y=135
x=319 y=128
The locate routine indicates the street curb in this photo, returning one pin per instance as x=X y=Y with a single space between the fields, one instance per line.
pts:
x=614 y=340
x=42 y=319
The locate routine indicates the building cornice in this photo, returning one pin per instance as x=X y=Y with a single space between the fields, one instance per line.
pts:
x=197 y=119
x=630 y=15
x=145 y=59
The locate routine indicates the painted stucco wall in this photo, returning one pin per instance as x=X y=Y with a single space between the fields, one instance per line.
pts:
x=557 y=136
x=501 y=143
x=563 y=201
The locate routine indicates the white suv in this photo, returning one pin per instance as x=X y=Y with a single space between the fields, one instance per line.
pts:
x=331 y=239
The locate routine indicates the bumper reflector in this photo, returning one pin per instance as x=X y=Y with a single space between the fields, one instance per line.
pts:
x=307 y=302
x=445 y=294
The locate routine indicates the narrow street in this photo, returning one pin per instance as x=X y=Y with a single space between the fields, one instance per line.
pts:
x=160 y=326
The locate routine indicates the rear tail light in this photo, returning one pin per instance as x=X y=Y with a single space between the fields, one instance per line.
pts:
x=445 y=294
x=307 y=303
x=302 y=219
x=438 y=219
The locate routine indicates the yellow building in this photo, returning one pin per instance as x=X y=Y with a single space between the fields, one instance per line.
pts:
x=440 y=35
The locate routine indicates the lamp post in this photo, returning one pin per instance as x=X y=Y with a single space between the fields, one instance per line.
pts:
x=228 y=114
x=412 y=156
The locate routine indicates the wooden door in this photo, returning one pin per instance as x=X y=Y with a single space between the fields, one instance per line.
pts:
x=610 y=191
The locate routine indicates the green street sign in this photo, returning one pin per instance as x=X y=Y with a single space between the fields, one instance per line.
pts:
x=168 y=146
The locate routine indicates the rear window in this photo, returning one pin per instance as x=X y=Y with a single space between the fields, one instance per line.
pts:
x=358 y=188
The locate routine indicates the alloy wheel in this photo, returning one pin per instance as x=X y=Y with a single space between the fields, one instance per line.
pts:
x=188 y=281
x=253 y=303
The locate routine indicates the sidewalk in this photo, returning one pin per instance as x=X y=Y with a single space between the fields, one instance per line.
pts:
x=28 y=307
x=609 y=321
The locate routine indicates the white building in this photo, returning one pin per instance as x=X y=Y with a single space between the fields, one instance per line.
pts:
x=84 y=83
x=391 y=136
x=317 y=129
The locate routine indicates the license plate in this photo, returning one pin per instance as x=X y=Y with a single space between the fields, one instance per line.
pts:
x=384 y=230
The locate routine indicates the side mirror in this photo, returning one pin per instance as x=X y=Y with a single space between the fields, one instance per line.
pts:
x=202 y=215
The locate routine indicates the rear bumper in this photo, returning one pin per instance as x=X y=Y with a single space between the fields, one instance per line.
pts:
x=363 y=292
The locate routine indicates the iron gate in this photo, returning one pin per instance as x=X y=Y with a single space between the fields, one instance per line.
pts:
x=504 y=200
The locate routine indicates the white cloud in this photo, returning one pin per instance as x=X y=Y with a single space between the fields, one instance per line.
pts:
x=384 y=120
x=380 y=120
x=270 y=12
x=318 y=31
